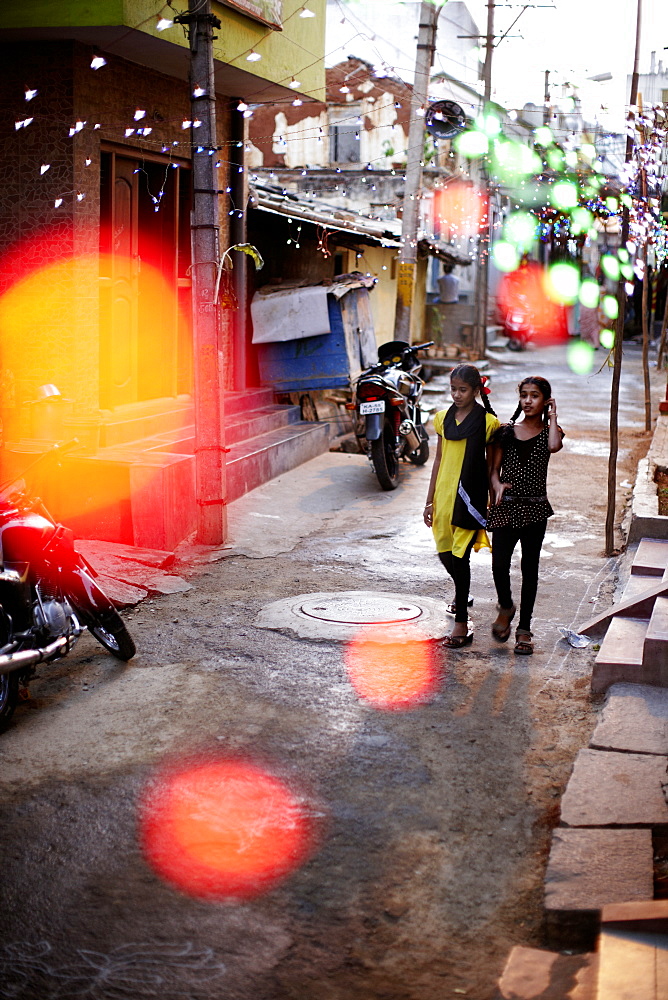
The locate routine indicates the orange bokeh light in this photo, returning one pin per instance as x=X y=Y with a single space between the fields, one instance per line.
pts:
x=224 y=829
x=523 y=292
x=459 y=211
x=390 y=671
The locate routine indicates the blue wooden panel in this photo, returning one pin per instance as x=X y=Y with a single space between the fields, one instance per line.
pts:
x=310 y=363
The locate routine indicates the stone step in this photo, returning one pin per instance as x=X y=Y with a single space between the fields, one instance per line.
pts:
x=608 y=788
x=248 y=399
x=589 y=869
x=257 y=460
x=634 y=720
x=655 y=650
x=620 y=657
x=530 y=973
x=633 y=965
x=651 y=558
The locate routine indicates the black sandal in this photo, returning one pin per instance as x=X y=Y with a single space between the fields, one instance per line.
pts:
x=523 y=643
x=501 y=627
x=458 y=641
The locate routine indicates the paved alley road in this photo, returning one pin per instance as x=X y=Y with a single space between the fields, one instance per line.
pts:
x=432 y=824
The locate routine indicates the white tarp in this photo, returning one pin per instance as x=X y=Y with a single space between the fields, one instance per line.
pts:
x=290 y=314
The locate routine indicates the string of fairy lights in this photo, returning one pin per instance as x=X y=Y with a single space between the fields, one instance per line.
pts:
x=554 y=185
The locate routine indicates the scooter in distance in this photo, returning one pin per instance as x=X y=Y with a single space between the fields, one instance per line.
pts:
x=48 y=593
x=387 y=399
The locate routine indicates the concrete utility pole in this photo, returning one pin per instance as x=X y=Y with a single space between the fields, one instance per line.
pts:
x=207 y=353
x=411 y=211
x=482 y=270
x=546 y=99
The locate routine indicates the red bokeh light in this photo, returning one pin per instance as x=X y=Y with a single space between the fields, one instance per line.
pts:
x=223 y=829
x=460 y=210
x=523 y=292
x=390 y=671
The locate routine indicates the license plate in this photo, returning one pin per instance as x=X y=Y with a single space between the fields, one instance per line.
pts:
x=377 y=407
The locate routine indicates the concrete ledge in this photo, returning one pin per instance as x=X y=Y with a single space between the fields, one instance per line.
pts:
x=531 y=973
x=645 y=518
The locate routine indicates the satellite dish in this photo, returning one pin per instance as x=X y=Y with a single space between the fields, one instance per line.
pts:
x=445 y=119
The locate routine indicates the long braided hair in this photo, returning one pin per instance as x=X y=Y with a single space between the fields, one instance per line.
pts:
x=472 y=377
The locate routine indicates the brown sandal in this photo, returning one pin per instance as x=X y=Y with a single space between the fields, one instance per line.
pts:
x=523 y=643
x=501 y=627
x=458 y=641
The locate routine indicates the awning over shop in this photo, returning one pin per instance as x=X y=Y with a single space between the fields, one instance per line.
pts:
x=362 y=229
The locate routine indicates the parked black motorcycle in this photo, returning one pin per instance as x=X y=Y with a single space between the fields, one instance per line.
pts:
x=48 y=593
x=388 y=403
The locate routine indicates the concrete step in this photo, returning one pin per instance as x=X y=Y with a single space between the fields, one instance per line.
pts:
x=530 y=973
x=251 y=423
x=625 y=606
x=633 y=965
x=634 y=598
x=634 y=720
x=651 y=915
x=144 y=422
x=655 y=650
x=620 y=657
x=589 y=869
x=610 y=789
x=651 y=558
x=253 y=462
x=248 y=399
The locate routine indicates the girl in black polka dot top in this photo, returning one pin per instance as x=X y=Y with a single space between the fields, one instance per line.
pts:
x=520 y=507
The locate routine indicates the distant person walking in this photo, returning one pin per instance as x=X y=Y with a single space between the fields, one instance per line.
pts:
x=520 y=507
x=448 y=286
x=456 y=508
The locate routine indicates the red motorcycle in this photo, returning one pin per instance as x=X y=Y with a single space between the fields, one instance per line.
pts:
x=48 y=593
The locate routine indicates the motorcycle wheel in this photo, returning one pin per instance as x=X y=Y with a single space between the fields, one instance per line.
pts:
x=384 y=459
x=9 y=696
x=420 y=455
x=515 y=345
x=111 y=633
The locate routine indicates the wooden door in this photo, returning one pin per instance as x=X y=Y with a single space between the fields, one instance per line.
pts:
x=119 y=281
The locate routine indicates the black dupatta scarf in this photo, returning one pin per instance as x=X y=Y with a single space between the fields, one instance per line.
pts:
x=470 y=510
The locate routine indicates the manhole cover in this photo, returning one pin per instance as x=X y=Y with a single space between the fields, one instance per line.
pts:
x=361 y=611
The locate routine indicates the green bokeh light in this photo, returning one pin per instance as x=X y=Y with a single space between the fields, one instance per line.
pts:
x=491 y=126
x=588 y=151
x=563 y=281
x=626 y=200
x=555 y=160
x=512 y=161
x=580 y=357
x=623 y=255
x=581 y=220
x=505 y=256
x=610 y=266
x=627 y=271
x=589 y=293
x=472 y=144
x=611 y=204
x=564 y=195
x=607 y=338
x=543 y=135
x=520 y=230
x=610 y=306
x=571 y=158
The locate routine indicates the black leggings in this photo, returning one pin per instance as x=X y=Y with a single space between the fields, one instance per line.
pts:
x=503 y=545
x=459 y=568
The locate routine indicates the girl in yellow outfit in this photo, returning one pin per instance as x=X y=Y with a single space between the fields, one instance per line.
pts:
x=456 y=508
